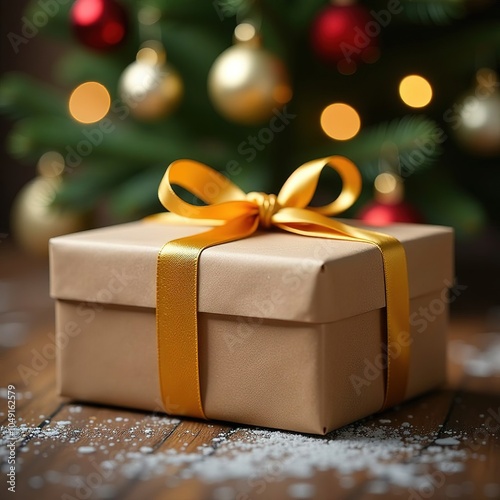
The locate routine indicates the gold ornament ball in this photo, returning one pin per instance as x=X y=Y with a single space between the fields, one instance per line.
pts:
x=478 y=125
x=246 y=84
x=151 y=91
x=34 y=221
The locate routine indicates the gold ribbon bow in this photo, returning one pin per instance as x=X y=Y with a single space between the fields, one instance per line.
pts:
x=237 y=215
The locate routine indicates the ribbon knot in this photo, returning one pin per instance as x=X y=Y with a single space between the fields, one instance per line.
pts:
x=235 y=215
x=268 y=205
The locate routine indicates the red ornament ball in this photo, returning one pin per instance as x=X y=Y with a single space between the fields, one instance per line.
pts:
x=381 y=214
x=344 y=33
x=99 y=24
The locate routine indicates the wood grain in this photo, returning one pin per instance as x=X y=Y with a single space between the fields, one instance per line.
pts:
x=69 y=450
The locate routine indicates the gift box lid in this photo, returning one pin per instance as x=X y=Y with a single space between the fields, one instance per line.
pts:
x=272 y=275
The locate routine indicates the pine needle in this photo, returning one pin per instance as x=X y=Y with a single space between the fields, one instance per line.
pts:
x=437 y=12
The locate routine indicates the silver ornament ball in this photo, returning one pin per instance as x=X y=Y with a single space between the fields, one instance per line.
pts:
x=151 y=91
x=478 y=125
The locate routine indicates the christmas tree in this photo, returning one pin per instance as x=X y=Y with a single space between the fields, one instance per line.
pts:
x=405 y=88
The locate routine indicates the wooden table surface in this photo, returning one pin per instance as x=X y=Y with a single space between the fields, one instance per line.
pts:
x=443 y=445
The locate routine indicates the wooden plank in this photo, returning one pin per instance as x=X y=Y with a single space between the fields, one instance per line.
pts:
x=429 y=411
x=76 y=446
x=275 y=482
x=475 y=421
x=190 y=435
x=71 y=450
x=31 y=369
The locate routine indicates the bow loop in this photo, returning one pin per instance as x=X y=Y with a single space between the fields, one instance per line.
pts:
x=299 y=189
x=225 y=200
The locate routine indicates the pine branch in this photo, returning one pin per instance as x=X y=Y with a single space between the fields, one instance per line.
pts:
x=77 y=66
x=126 y=141
x=302 y=13
x=84 y=188
x=57 y=25
x=437 y=12
x=233 y=8
x=194 y=65
x=189 y=11
x=442 y=201
x=136 y=196
x=413 y=137
x=21 y=96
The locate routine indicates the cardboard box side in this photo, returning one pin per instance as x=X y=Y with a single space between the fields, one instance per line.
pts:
x=280 y=276
x=354 y=370
x=258 y=373
x=346 y=344
x=297 y=376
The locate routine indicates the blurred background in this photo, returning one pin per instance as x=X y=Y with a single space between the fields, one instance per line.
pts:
x=97 y=97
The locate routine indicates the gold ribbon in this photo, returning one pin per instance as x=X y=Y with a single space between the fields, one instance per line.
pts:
x=236 y=215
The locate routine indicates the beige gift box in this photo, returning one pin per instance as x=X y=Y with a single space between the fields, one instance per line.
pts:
x=291 y=328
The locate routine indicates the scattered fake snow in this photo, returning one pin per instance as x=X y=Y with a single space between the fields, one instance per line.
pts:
x=399 y=455
x=6 y=394
x=86 y=449
x=449 y=441
x=390 y=454
x=478 y=362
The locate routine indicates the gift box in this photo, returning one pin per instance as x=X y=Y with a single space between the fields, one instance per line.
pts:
x=292 y=329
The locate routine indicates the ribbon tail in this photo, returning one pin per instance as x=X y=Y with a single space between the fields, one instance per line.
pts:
x=177 y=314
x=397 y=300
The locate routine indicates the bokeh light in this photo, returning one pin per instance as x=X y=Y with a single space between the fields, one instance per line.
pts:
x=385 y=183
x=415 y=91
x=89 y=102
x=388 y=188
x=51 y=164
x=245 y=32
x=340 y=121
